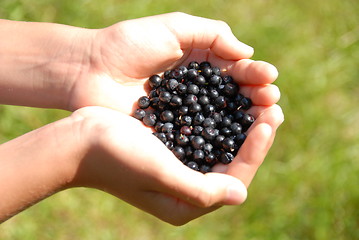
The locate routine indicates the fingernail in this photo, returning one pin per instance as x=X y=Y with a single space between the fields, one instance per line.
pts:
x=236 y=194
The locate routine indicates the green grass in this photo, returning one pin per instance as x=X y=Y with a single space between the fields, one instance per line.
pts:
x=308 y=186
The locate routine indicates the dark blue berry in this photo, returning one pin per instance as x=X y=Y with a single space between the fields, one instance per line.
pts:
x=172 y=84
x=144 y=102
x=245 y=103
x=198 y=119
x=247 y=121
x=139 y=114
x=176 y=101
x=165 y=96
x=195 y=108
x=220 y=102
x=197 y=130
x=226 y=158
x=179 y=152
x=155 y=81
x=193 y=65
x=198 y=155
x=193 y=89
x=192 y=74
x=149 y=119
x=167 y=116
x=167 y=127
x=186 y=130
x=193 y=165
x=198 y=142
x=200 y=80
x=186 y=120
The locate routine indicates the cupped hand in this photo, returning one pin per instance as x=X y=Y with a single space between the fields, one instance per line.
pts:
x=124 y=55
x=125 y=159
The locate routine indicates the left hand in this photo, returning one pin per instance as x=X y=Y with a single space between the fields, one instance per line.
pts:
x=124 y=55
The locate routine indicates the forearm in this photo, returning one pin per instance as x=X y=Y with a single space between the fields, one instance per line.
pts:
x=39 y=62
x=38 y=164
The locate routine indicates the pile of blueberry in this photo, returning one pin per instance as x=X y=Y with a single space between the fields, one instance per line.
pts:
x=197 y=113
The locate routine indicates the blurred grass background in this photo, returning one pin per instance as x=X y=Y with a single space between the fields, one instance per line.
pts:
x=308 y=187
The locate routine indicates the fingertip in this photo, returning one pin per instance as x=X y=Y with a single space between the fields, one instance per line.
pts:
x=236 y=194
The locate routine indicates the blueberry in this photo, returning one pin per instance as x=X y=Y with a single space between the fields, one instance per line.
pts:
x=200 y=80
x=209 y=122
x=204 y=100
x=229 y=145
x=139 y=114
x=181 y=139
x=169 y=145
x=165 y=96
x=144 y=102
x=155 y=81
x=236 y=128
x=176 y=101
x=192 y=74
x=226 y=158
x=209 y=133
x=172 y=84
x=161 y=136
x=198 y=142
x=193 y=65
x=183 y=110
x=195 y=108
x=193 y=165
x=240 y=138
x=216 y=71
x=220 y=102
x=190 y=99
x=210 y=158
x=167 y=127
x=198 y=155
x=230 y=89
x=204 y=64
x=227 y=79
x=177 y=74
x=205 y=169
x=213 y=93
x=193 y=89
x=207 y=148
x=186 y=120
x=208 y=109
x=167 y=116
x=186 y=130
x=198 y=119
x=206 y=72
x=179 y=152
x=245 y=103
x=149 y=119
x=197 y=130
x=182 y=89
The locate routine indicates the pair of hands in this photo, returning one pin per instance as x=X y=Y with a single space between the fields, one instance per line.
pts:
x=118 y=154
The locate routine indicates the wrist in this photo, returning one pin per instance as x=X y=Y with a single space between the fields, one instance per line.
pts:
x=40 y=62
x=39 y=164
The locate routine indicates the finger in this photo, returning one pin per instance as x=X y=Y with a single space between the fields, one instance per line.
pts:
x=171 y=209
x=250 y=72
x=262 y=95
x=201 y=190
x=254 y=150
x=244 y=71
x=202 y=33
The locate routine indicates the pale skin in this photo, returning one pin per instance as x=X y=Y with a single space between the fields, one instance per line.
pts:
x=98 y=74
